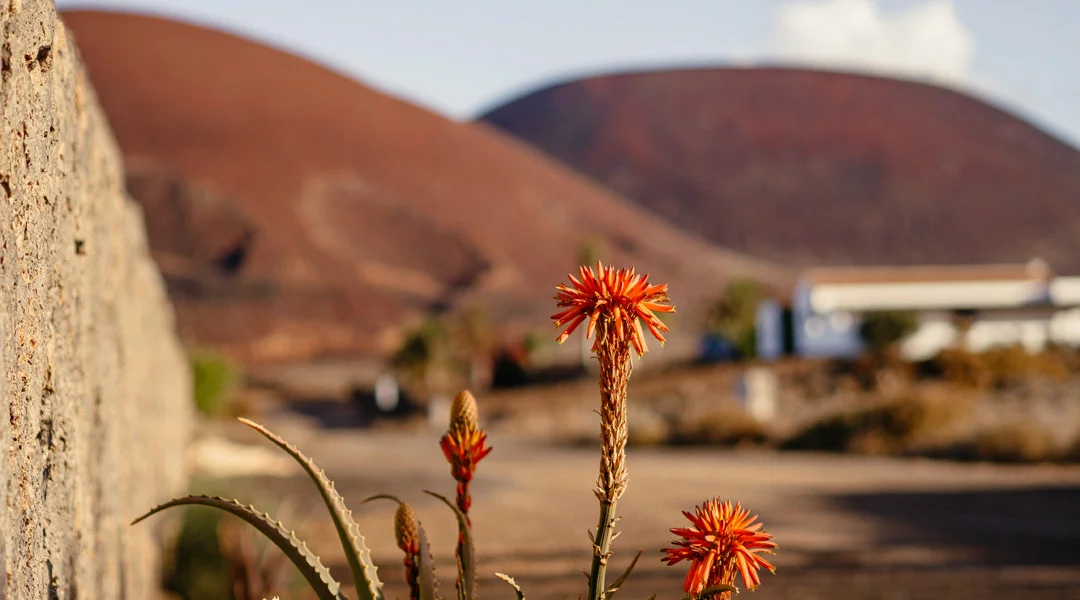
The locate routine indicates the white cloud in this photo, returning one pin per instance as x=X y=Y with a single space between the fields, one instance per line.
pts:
x=924 y=41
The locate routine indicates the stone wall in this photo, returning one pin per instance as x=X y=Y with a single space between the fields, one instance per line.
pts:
x=95 y=383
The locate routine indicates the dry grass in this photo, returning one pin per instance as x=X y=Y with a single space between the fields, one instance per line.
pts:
x=894 y=426
x=1012 y=442
x=1016 y=442
x=824 y=406
x=998 y=368
x=722 y=427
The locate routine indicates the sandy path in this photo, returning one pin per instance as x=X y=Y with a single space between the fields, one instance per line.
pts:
x=849 y=527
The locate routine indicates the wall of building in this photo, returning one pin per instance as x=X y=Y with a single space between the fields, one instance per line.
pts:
x=822 y=334
x=94 y=382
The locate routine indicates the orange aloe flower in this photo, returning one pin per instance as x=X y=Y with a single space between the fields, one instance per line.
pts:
x=463 y=449
x=464 y=445
x=627 y=298
x=724 y=540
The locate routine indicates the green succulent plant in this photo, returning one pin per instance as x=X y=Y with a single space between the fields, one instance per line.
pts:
x=358 y=556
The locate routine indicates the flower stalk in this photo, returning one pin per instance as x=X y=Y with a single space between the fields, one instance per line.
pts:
x=464 y=445
x=407 y=534
x=615 y=303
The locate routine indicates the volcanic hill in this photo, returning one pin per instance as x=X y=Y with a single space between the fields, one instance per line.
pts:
x=296 y=213
x=809 y=167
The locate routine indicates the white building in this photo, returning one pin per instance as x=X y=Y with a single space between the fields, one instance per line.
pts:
x=1001 y=305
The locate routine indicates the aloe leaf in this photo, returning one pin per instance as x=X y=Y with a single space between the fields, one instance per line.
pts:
x=382 y=497
x=309 y=565
x=467 y=562
x=429 y=586
x=622 y=578
x=364 y=572
x=513 y=584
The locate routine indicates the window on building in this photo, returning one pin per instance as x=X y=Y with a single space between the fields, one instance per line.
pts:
x=841 y=321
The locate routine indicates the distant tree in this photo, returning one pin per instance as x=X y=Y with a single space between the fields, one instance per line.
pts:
x=424 y=354
x=594 y=248
x=214 y=379
x=881 y=331
x=472 y=342
x=733 y=315
x=448 y=350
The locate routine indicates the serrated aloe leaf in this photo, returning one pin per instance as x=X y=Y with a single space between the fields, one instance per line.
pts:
x=622 y=578
x=429 y=586
x=364 y=572
x=513 y=584
x=467 y=562
x=326 y=588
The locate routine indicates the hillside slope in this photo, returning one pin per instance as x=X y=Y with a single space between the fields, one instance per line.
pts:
x=808 y=167
x=298 y=213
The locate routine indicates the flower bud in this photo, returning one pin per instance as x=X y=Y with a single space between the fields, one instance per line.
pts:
x=406 y=530
x=463 y=412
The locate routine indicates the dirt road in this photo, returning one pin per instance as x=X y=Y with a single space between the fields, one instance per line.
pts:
x=848 y=527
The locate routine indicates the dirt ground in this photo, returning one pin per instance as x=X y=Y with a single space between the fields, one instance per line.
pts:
x=848 y=527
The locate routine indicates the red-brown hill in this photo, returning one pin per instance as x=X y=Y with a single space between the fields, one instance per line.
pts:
x=810 y=167
x=297 y=213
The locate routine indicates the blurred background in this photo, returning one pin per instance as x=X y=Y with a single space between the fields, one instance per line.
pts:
x=868 y=212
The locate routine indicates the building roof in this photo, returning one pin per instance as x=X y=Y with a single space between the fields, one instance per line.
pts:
x=1066 y=291
x=1033 y=270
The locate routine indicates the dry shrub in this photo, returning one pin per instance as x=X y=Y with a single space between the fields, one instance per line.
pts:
x=960 y=367
x=1054 y=363
x=1022 y=441
x=1002 y=366
x=723 y=427
x=891 y=427
x=1072 y=454
x=1007 y=365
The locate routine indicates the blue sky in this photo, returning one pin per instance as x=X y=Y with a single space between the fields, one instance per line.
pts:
x=458 y=58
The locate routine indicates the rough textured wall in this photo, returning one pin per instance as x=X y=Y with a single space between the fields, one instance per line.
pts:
x=94 y=381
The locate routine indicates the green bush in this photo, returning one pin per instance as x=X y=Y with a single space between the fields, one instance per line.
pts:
x=733 y=315
x=882 y=330
x=214 y=378
x=445 y=349
x=195 y=568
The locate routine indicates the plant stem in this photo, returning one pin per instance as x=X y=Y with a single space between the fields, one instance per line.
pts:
x=464 y=502
x=614 y=356
x=605 y=530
